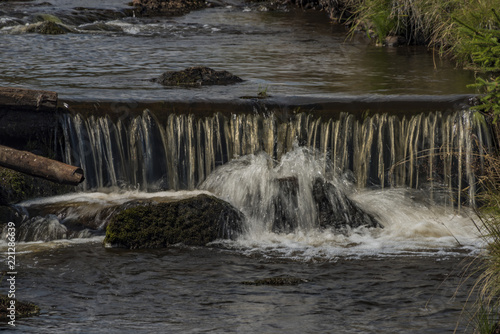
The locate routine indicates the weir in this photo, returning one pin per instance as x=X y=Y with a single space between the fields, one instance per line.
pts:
x=441 y=151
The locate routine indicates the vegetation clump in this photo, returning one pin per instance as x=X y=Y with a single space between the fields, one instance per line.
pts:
x=193 y=221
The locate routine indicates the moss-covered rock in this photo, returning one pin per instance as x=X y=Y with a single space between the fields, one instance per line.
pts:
x=278 y=280
x=197 y=76
x=193 y=221
x=22 y=309
x=47 y=28
x=166 y=7
x=16 y=187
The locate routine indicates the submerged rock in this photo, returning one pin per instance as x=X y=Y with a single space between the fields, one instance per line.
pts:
x=47 y=28
x=166 y=7
x=193 y=221
x=16 y=187
x=39 y=229
x=197 y=76
x=9 y=214
x=279 y=280
x=22 y=309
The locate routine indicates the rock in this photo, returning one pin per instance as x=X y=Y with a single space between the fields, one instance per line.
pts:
x=193 y=221
x=394 y=41
x=22 y=309
x=9 y=214
x=333 y=208
x=166 y=7
x=337 y=210
x=16 y=187
x=47 y=28
x=39 y=229
x=197 y=76
x=285 y=204
x=279 y=280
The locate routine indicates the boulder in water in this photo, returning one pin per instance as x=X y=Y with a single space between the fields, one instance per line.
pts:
x=197 y=76
x=276 y=281
x=193 y=221
x=285 y=204
x=22 y=309
x=166 y=7
x=39 y=229
x=337 y=210
x=333 y=208
x=47 y=28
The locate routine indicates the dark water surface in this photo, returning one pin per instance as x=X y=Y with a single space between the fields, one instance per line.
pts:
x=85 y=288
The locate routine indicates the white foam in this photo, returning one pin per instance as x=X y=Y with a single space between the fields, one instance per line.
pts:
x=110 y=198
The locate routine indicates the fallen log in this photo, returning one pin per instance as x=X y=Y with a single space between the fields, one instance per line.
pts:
x=27 y=99
x=35 y=165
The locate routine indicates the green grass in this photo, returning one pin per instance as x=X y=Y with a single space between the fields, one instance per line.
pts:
x=454 y=27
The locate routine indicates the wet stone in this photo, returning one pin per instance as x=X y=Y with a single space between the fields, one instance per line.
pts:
x=22 y=309
x=197 y=76
x=48 y=28
x=192 y=221
x=276 y=281
x=338 y=211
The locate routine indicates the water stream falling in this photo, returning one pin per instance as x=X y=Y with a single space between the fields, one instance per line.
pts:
x=436 y=150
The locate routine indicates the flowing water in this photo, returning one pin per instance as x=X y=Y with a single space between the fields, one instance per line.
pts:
x=295 y=53
x=383 y=130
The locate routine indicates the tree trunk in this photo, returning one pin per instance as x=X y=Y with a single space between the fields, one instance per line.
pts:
x=27 y=99
x=36 y=165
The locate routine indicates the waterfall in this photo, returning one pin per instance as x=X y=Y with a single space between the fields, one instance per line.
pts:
x=438 y=151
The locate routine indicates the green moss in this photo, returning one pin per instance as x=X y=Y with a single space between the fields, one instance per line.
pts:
x=23 y=309
x=194 y=221
x=47 y=28
x=16 y=187
x=47 y=18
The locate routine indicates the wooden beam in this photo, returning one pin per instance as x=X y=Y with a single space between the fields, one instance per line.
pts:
x=27 y=99
x=35 y=165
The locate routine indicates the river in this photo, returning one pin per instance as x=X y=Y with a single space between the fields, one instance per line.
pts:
x=356 y=115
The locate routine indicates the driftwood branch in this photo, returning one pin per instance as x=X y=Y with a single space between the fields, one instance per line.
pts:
x=36 y=165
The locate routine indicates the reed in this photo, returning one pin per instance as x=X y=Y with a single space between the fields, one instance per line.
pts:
x=486 y=317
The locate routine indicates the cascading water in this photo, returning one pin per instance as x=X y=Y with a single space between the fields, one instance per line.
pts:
x=300 y=192
x=298 y=177
x=434 y=150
